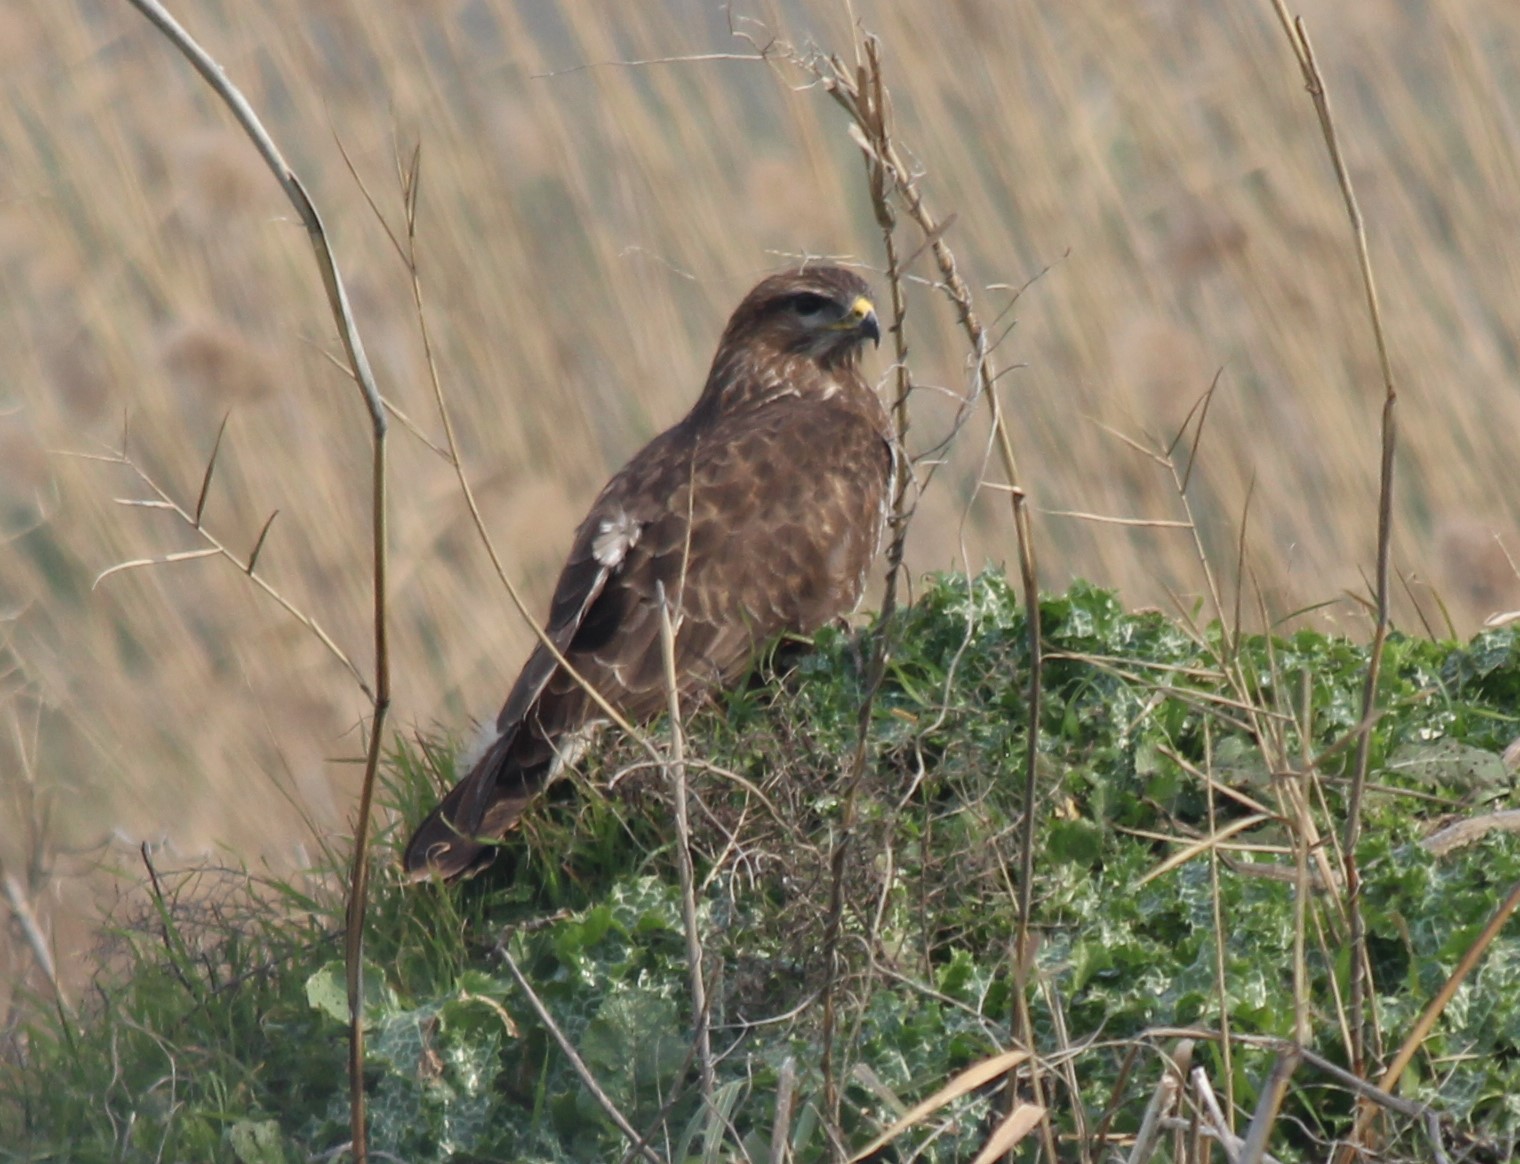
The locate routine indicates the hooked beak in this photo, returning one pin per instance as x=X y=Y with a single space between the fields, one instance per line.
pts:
x=861 y=318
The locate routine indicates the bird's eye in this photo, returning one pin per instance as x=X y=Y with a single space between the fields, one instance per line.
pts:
x=807 y=303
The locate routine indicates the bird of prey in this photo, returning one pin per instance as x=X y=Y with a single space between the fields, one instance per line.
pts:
x=758 y=513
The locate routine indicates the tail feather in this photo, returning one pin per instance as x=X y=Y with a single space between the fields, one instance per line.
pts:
x=458 y=838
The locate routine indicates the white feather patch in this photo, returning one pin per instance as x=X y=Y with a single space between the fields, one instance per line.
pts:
x=485 y=739
x=615 y=536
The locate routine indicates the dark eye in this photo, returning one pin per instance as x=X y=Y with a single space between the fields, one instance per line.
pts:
x=807 y=303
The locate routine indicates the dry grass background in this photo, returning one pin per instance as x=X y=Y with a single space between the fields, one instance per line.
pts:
x=582 y=237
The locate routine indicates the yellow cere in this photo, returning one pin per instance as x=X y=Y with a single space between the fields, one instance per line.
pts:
x=861 y=308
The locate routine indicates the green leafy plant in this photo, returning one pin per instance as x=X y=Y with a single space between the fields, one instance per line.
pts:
x=218 y=1023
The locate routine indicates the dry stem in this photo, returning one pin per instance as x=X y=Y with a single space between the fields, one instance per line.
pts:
x=861 y=93
x=604 y=1101
x=358 y=363
x=676 y=775
x=1298 y=38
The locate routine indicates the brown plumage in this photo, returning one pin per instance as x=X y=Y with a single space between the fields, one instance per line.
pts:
x=759 y=513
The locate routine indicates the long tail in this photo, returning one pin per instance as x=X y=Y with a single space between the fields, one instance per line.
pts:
x=458 y=837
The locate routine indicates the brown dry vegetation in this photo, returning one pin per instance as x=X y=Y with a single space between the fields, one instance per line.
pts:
x=582 y=236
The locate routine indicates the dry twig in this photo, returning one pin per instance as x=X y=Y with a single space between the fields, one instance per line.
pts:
x=861 y=92
x=1361 y=979
x=603 y=1100
x=358 y=364
x=676 y=776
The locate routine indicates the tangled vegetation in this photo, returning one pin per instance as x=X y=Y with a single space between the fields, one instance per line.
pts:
x=1169 y=870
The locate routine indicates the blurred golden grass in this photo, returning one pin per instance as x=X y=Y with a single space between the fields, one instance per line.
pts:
x=582 y=237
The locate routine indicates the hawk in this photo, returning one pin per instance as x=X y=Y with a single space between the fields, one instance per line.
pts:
x=758 y=513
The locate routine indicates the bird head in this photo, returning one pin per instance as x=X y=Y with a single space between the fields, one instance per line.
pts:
x=823 y=313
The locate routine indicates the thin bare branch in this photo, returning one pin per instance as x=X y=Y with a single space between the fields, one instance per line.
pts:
x=1105 y=519
x=1264 y=1118
x=1361 y=987
x=861 y=93
x=676 y=775
x=1436 y=1007
x=598 y=1093
x=358 y=360
x=25 y=918
x=217 y=547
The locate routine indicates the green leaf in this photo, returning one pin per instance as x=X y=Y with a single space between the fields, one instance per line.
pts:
x=257 y=1142
x=1448 y=764
x=327 y=991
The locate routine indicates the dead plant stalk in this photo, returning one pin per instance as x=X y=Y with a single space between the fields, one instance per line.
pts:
x=873 y=122
x=637 y=1143
x=358 y=364
x=1303 y=50
x=676 y=776
x=863 y=95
